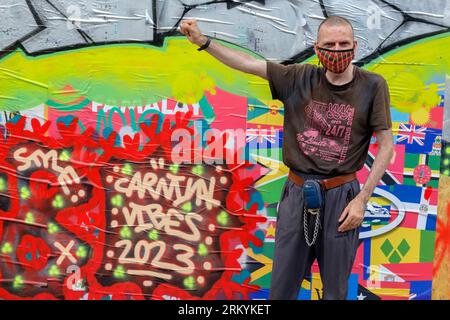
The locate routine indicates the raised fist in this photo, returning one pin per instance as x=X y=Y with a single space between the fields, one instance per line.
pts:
x=189 y=28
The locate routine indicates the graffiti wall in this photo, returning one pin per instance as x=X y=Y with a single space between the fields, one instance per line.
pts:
x=133 y=166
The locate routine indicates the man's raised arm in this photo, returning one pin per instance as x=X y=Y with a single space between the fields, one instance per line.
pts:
x=231 y=57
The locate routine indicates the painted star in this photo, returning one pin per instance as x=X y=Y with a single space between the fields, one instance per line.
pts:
x=270 y=231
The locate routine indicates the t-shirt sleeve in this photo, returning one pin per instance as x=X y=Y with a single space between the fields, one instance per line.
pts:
x=380 y=117
x=281 y=79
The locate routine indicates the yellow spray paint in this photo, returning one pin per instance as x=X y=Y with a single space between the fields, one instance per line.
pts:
x=410 y=70
x=137 y=74
x=125 y=75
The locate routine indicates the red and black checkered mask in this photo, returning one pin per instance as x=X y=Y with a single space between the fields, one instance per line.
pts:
x=335 y=60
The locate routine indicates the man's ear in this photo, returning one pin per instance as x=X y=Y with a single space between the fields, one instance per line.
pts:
x=315 y=47
x=355 y=44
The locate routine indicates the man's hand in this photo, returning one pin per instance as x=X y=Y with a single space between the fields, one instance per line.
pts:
x=354 y=212
x=231 y=57
x=353 y=215
x=189 y=28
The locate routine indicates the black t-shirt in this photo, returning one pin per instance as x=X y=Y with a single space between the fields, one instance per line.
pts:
x=327 y=128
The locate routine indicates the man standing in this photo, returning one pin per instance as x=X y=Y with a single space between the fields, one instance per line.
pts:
x=330 y=115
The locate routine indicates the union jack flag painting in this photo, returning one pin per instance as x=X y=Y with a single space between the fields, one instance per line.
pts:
x=411 y=134
x=417 y=139
x=263 y=136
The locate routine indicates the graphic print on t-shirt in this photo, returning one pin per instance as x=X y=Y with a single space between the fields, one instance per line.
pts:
x=327 y=132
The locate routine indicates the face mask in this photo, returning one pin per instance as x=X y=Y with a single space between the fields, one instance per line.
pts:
x=335 y=60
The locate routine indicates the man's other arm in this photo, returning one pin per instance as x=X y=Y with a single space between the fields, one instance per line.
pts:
x=382 y=160
x=353 y=215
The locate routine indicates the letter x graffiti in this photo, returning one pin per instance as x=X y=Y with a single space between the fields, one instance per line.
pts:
x=65 y=252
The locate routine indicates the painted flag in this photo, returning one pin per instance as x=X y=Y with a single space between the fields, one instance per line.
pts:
x=418 y=139
x=421 y=170
x=394 y=171
x=262 y=136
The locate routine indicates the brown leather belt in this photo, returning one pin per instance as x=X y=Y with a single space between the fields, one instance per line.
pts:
x=326 y=183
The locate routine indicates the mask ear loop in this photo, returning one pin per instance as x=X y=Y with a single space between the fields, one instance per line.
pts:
x=319 y=63
x=318 y=59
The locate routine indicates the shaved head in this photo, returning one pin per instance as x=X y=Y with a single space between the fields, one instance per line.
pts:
x=334 y=21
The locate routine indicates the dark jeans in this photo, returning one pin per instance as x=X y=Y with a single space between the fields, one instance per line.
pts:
x=335 y=251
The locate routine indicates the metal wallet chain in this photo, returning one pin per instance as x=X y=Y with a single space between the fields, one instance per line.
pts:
x=316 y=227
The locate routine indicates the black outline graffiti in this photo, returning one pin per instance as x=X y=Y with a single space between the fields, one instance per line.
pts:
x=406 y=19
x=324 y=10
x=18 y=43
x=158 y=37
x=85 y=36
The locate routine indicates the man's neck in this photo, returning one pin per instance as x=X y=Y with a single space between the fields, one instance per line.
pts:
x=339 y=79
